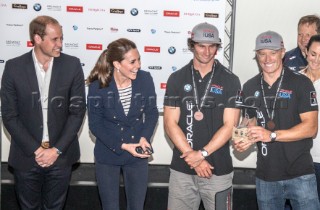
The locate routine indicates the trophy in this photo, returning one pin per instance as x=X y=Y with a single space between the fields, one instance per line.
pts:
x=241 y=132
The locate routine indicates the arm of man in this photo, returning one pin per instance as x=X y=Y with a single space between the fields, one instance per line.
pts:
x=11 y=115
x=171 y=117
x=306 y=129
x=230 y=119
x=77 y=109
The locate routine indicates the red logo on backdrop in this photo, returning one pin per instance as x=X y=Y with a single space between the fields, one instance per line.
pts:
x=171 y=13
x=74 y=9
x=152 y=49
x=29 y=44
x=163 y=85
x=94 y=46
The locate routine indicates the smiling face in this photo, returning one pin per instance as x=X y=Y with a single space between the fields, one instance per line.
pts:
x=130 y=65
x=313 y=56
x=204 y=53
x=50 y=45
x=270 y=61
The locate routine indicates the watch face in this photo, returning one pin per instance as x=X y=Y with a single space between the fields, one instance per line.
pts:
x=204 y=153
x=273 y=135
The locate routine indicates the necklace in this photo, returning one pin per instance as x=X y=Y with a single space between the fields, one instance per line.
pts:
x=270 y=124
x=198 y=115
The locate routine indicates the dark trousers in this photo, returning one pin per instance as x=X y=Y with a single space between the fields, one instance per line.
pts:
x=135 y=177
x=42 y=188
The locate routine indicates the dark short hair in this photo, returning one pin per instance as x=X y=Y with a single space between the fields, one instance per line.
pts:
x=314 y=38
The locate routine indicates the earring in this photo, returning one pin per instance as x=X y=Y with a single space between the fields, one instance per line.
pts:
x=118 y=70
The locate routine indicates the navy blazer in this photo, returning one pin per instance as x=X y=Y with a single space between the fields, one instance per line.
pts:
x=22 y=112
x=109 y=124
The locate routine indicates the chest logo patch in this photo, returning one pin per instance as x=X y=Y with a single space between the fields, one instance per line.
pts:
x=257 y=94
x=285 y=94
x=187 y=88
x=216 y=89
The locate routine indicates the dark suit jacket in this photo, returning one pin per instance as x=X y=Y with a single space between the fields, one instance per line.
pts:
x=22 y=114
x=110 y=125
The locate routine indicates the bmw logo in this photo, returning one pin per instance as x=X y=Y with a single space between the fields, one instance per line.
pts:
x=172 y=50
x=256 y=94
x=75 y=27
x=134 y=12
x=37 y=7
x=174 y=68
x=187 y=88
x=153 y=31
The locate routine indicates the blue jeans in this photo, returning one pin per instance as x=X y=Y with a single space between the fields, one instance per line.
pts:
x=301 y=191
x=135 y=177
x=317 y=169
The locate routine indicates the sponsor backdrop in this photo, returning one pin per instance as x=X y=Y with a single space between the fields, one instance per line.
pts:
x=160 y=29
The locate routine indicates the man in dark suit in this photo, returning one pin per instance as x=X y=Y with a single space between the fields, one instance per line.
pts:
x=43 y=105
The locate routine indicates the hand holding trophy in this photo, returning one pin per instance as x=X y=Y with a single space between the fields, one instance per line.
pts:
x=239 y=133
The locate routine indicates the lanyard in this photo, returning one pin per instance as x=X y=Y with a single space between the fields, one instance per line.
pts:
x=270 y=123
x=195 y=92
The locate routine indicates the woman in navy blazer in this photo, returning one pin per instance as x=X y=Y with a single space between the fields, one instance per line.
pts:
x=122 y=116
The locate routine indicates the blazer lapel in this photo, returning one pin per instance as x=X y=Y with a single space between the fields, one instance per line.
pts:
x=31 y=77
x=56 y=71
x=134 y=98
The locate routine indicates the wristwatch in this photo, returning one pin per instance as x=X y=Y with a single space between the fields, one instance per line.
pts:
x=58 y=151
x=204 y=153
x=273 y=136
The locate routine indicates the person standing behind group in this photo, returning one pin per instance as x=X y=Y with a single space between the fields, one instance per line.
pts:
x=43 y=105
x=282 y=125
x=313 y=73
x=122 y=115
x=308 y=26
x=198 y=118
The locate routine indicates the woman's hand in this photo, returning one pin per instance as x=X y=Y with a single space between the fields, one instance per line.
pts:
x=131 y=148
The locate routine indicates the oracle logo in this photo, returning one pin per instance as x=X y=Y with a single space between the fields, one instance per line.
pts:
x=163 y=85
x=171 y=13
x=152 y=49
x=29 y=44
x=94 y=46
x=74 y=9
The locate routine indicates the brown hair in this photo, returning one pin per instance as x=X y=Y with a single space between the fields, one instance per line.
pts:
x=310 y=19
x=103 y=68
x=191 y=44
x=38 y=26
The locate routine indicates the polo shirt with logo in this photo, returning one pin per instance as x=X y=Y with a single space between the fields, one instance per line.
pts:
x=282 y=160
x=222 y=94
